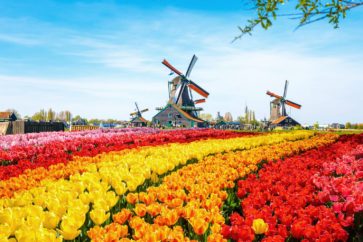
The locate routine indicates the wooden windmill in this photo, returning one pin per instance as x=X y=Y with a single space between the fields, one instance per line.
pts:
x=136 y=117
x=278 y=114
x=181 y=89
x=181 y=109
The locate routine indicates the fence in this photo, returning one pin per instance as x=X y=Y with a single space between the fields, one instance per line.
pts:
x=83 y=127
x=23 y=127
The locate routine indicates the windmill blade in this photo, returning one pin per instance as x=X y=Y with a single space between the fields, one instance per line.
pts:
x=283 y=108
x=199 y=101
x=167 y=64
x=180 y=93
x=144 y=110
x=134 y=113
x=137 y=107
x=198 y=89
x=285 y=90
x=191 y=65
x=292 y=104
x=273 y=94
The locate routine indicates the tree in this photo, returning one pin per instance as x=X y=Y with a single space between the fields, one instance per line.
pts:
x=306 y=11
x=206 y=116
x=50 y=115
x=228 y=117
x=76 y=118
x=68 y=116
x=241 y=120
x=348 y=125
x=316 y=125
x=247 y=116
x=12 y=110
x=40 y=116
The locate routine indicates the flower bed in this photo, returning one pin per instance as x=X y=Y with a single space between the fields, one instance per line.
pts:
x=285 y=195
x=68 y=207
x=26 y=153
x=188 y=203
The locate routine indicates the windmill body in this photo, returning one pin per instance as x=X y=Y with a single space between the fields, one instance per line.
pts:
x=181 y=108
x=136 y=117
x=278 y=114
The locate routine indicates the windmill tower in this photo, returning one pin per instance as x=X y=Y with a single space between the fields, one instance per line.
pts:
x=181 y=89
x=278 y=114
x=181 y=100
x=136 y=117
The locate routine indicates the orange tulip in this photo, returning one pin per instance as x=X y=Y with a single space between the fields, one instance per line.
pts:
x=189 y=212
x=171 y=217
x=216 y=238
x=140 y=209
x=147 y=198
x=132 y=198
x=176 y=202
x=153 y=209
x=199 y=225
x=122 y=216
x=96 y=233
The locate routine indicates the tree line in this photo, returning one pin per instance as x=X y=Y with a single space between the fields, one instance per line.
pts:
x=248 y=117
x=51 y=115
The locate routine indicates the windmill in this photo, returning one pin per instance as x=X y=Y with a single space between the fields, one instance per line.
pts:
x=278 y=104
x=136 y=117
x=181 y=89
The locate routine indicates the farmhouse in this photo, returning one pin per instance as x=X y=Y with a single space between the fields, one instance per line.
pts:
x=173 y=116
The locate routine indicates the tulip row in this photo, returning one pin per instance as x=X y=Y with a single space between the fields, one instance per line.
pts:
x=19 y=158
x=67 y=206
x=159 y=159
x=284 y=196
x=38 y=139
x=188 y=204
x=340 y=183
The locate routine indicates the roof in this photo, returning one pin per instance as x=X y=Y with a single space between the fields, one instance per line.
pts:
x=138 y=120
x=187 y=115
x=5 y=115
x=279 y=120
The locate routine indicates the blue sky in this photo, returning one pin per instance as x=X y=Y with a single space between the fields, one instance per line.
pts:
x=96 y=58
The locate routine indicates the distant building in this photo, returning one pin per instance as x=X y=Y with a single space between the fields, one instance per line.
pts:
x=285 y=121
x=138 y=122
x=7 y=116
x=337 y=126
x=173 y=116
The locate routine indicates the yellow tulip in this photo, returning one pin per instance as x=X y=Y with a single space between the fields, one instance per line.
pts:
x=5 y=230
x=51 y=220
x=120 y=188
x=259 y=226
x=99 y=216
x=49 y=236
x=69 y=233
x=111 y=199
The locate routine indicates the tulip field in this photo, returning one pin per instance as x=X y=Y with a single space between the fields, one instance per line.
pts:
x=145 y=184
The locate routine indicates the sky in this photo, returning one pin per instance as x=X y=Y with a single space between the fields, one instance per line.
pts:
x=96 y=58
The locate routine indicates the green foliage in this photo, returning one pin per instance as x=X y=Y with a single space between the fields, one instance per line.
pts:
x=306 y=11
x=316 y=125
x=348 y=125
x=206 y=116
x=40 y=116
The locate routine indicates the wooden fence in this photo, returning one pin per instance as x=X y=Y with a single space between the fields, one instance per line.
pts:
x=23 y=127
